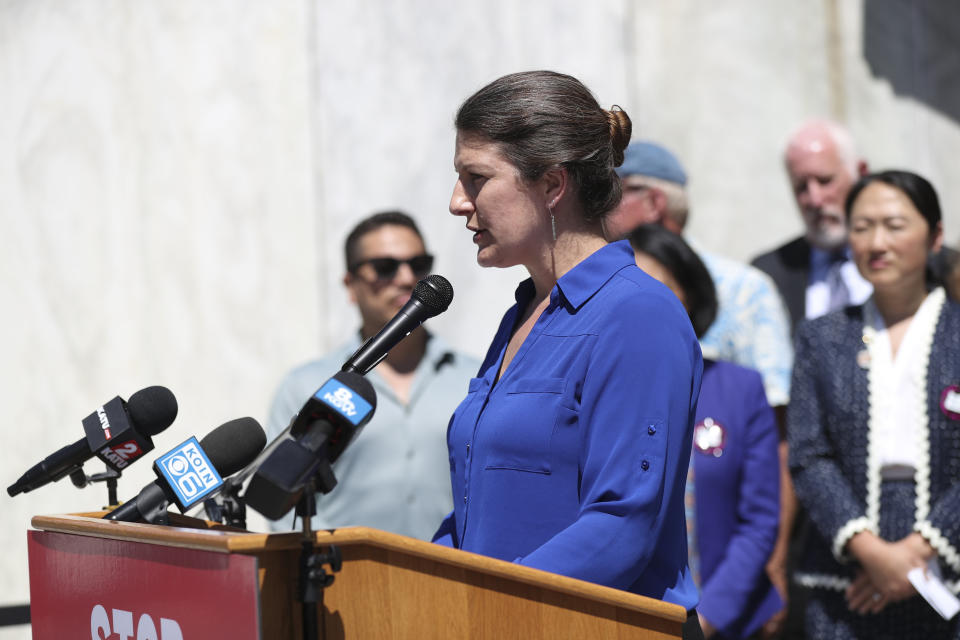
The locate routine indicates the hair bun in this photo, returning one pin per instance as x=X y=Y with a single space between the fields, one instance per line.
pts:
x=621 y=128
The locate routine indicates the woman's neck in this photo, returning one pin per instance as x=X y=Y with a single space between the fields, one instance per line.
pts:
x=897 y=303
x=559 y=257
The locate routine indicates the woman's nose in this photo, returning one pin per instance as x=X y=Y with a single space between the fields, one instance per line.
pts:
x=460 y=204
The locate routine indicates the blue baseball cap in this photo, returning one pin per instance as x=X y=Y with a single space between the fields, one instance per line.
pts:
x=650 y=159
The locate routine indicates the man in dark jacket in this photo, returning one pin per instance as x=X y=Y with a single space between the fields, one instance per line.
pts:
x=813 y=272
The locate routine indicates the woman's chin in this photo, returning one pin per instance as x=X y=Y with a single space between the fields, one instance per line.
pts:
x=893 y=281
x=486 y=257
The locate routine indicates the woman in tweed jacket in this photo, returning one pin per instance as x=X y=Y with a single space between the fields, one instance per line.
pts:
x=874 y=428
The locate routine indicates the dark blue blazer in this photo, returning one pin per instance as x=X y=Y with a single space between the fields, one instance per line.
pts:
x=737 y=501
x=828 y=432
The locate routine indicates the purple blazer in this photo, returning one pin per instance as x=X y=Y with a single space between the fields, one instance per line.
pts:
x=737 y=498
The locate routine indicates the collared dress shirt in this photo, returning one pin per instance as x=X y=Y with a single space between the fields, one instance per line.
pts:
x=819 y=295
x=752 y=327
x=394 y=476
x=574 y=461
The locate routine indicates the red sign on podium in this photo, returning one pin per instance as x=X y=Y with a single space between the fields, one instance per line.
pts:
x=86 y=587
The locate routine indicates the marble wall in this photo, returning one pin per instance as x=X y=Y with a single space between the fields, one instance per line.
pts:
x=176 y=178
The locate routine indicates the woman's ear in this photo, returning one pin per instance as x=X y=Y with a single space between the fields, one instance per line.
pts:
x=936 y=238
x=554 y=183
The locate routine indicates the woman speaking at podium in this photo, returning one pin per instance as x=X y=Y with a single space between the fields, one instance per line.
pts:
x=569 y=453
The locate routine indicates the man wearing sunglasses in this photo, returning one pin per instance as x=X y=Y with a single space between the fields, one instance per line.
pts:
x=396 y=475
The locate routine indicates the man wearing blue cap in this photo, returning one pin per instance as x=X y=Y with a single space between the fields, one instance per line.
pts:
x=752 y=327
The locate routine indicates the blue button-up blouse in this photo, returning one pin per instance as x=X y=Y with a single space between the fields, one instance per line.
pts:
x=574 y=461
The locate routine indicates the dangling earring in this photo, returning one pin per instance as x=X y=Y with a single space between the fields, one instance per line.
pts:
x=553 y=220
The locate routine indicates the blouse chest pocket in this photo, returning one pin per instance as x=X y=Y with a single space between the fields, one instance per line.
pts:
x=460 y=426
x=522 y=429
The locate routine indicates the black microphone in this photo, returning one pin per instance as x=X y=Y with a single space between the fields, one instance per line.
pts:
x=117 y=432
x=318 y=434
x=431 y=296
x=334 y=415
x=193 y=471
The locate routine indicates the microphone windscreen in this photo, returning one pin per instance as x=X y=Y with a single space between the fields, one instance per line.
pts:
x=152 y=410
x=233 y=445
x=435 y=292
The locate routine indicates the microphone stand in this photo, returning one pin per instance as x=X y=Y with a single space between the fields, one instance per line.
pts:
x=81 y=480
x=313 y=578
x=228 y=507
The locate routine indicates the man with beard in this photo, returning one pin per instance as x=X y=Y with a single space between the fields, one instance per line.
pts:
x=814 y=272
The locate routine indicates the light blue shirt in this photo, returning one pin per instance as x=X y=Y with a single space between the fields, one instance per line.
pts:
x=574 y=461
x=395 y=475
x=752 y=328
x=818 y=290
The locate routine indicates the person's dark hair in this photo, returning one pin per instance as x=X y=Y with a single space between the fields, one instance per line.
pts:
x=543 y=119
x=953 y=282
x=372 y=223
x=917 y=188
x=670 y=250
x=921 y=194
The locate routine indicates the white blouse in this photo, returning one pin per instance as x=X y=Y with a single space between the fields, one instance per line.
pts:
x=900 y=390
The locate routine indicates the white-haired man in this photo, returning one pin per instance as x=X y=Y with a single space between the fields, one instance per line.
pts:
x=814 y=272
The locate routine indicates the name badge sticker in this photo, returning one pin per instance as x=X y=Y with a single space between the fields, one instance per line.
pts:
x=709 y=437
x=950 y=402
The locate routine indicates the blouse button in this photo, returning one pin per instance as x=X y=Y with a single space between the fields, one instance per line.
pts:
x=644 y=465
x=651 y=429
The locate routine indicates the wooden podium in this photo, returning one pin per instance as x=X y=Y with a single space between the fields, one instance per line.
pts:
x=200 y=580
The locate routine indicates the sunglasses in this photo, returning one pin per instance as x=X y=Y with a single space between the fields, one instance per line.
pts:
x=386 y=268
